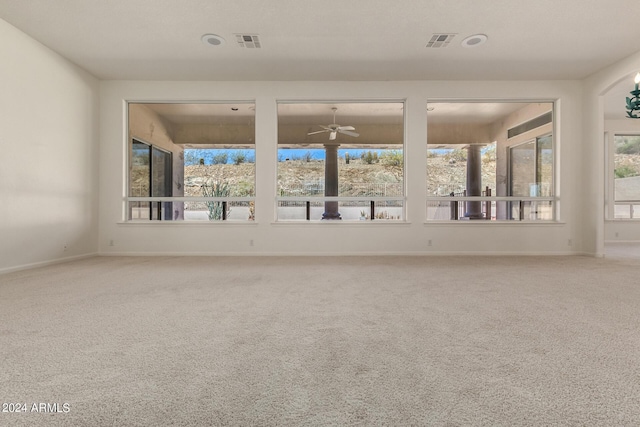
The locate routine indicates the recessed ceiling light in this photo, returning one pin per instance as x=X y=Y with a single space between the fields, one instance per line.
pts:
x=474 y=40
x=212 y=40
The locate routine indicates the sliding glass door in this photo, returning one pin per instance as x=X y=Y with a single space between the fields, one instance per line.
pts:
x=531 y=175
x=151 y=172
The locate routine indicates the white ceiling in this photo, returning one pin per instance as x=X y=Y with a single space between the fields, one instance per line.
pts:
x=332 y=39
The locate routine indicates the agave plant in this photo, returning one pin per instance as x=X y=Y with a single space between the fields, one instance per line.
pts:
x=216 y=189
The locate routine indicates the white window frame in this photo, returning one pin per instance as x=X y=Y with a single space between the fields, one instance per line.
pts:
x=370 y=200
x=610 y=194
x=555 y=199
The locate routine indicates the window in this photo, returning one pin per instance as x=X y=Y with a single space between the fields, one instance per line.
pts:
x=490 y=161
x=626 y=176
x=340 y=161
x=199 y=156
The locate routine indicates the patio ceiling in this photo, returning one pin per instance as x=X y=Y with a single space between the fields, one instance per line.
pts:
x=380 y=124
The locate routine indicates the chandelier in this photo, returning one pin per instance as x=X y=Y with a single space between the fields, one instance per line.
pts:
x=633 y=103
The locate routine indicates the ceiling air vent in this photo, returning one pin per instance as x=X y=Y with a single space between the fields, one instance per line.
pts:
x=440 y=40
x=250 y=41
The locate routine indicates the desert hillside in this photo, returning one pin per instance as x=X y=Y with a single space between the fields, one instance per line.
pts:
x=292 y=175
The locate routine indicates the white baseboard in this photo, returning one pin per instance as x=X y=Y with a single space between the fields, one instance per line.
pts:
x=287 y=254
x=46 y=263
x=338 y=254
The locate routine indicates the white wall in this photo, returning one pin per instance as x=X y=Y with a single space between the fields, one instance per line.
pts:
x=268 y=237
x=48 y=166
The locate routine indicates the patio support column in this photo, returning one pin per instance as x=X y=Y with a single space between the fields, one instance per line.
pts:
x=473 y=210
x=331 y=181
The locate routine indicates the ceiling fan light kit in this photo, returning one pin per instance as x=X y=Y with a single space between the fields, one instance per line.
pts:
x=334 y=129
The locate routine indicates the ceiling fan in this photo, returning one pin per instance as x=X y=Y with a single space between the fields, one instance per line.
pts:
x=335 y=129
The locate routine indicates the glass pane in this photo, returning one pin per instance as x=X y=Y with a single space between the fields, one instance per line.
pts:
x=492 y=149
x=543 y=211
x=196 y=146
x=233 y=168
x=161 y=171
x=545 y=166
x=356 y=210
x=301 y=211
x=446 y=171
x=342 y=149
x=140 y=170
x=139 y=210
x=140 y=180
x=161 y=184
x=441 y=210
x=626 y=176
x=523 y=170
x=301 y=172
x=387 y=210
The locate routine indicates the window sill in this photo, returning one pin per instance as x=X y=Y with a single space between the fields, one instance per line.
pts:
x=186 y=223
x=339 y=223
x=506 y=223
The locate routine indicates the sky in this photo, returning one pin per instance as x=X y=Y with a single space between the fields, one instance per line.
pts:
x=193 y=156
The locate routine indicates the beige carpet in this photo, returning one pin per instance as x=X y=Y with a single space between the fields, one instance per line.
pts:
x=260 y=341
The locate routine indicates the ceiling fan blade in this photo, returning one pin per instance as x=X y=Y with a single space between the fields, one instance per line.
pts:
x=346 y=128
x=346 y=132
x=332 y=135
x=319 y=131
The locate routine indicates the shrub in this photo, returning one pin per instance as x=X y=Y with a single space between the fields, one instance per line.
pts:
x=220 y=158
x=238 y=157
x=457 y=155
x=192 y=157
x=243 y=189
x=392 y=158
x=489 y=155
x=631 y=145
x=307 y=156
x=369 y=157
x=216 y=189
x=625 y=172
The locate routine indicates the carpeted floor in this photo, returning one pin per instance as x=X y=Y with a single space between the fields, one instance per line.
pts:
x=274 y=341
